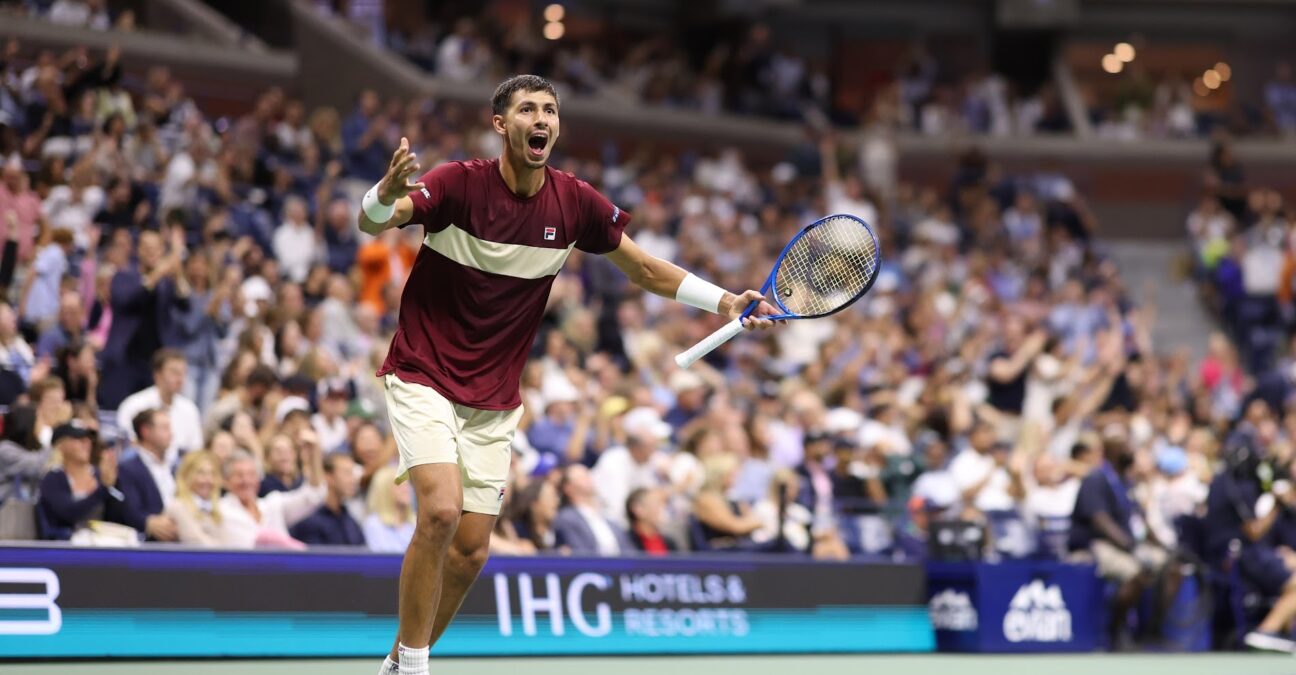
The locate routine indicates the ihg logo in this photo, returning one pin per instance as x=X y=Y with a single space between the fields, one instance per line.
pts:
x=29 y=593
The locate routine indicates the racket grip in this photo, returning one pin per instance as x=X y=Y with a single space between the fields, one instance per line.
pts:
x=709 y=344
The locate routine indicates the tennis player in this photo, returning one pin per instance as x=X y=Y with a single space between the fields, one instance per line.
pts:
x=497 y=232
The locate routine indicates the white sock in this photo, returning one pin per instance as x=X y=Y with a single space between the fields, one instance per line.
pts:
x=389 y=666
x=413 y=661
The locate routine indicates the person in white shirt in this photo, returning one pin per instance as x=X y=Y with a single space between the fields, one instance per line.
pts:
x=1050 y=493
x=843 y=195
x=981 y=471
x=638 y=464
x=936 y=484
x=248 y=522
x=295 y=241
x=169 y=370
x=330 y=421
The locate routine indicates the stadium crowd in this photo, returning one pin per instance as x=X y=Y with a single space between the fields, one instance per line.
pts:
x=192 y=321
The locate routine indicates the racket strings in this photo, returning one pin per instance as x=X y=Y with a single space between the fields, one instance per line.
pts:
x=827 y=268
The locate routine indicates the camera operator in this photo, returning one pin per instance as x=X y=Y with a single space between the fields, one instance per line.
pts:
x=1246 y=499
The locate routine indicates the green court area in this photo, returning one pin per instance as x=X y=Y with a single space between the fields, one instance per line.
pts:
x=1143 y=664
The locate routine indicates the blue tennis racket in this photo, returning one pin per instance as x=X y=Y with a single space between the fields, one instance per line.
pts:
x=827 y=266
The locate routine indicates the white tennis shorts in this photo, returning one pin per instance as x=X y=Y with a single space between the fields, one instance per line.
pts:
x=429 y=429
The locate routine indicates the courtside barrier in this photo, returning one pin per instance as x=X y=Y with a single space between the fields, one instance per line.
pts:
x=59 y=602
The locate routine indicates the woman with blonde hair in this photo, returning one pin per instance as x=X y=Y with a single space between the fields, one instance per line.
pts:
x=195 y=509
x=723 y=525
x=390 y=524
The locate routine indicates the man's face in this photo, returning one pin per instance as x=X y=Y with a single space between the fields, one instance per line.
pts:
x=170 y=378
x=242 y=480
x=70 y=312
x=342 y=480
x=149 y=250
x=530 y=127
x=158 y=433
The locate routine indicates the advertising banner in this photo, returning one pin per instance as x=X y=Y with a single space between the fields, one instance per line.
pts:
x=69 y=603
x=1019 y=606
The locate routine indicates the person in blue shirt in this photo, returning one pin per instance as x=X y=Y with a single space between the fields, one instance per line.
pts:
x=1107 y=528
x=332 y=525
x=1244 y=505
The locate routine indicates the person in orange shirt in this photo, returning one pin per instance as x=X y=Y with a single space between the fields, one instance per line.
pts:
x=383 y=260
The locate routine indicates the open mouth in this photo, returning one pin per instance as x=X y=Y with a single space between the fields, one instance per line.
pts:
x=537 y=143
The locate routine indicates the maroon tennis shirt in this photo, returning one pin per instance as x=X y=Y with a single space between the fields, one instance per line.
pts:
x=477 y=292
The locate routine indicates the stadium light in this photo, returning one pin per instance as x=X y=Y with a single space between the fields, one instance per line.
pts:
x=1211 y=79
x=554 y=30
x=1224 y=70
x=1112 y=64
x=554 y=13
x=1124 y=51
x=1200 y=88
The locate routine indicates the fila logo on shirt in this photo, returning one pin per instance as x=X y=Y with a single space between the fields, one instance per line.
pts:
x=616 y=213
x=426 y=194
x=551 y=233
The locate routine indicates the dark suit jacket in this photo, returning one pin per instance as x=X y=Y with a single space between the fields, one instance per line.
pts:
x=142 y=498
x=123 y=374
x=571 y=530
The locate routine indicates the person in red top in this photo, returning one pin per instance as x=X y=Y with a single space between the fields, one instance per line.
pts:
x=646 y=510
x=496 y=234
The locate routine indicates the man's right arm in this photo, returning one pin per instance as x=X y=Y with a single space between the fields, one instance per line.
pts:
x=387 y=204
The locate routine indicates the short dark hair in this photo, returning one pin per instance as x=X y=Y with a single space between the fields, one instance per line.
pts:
x=636 y=496
x=504 y=92
x=331 y=460
x=162 y=356
x=143 y=419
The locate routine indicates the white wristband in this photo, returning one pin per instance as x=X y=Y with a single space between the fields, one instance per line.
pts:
x=700 y=293
x=375 y=210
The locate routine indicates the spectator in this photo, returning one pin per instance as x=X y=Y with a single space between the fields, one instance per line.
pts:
x=20 y=209
x=41 y=292
x=580 y=524
x=332 y=524
x=981 y=471
x=22 y=461
x=80 y=491
x=390 y=524
x=1280 y=97
x=1240 y=514
x=52 y=409
x=196 y=509
x=16 y=357
x=638 y=464
x=646 y=513
x=690 y=398
x=1102 y=531
x=330 y=422
x=75 y=367
x=724 y=525
x=169 y=370
x=142 y=302
x=283 y=467
x=462 y=56
x=533 y=515
x=555 y=434
x=937 y=487
x=248 y=522
x=146 y=480
x=294 y=241
x=69 y=327
x=371 y=452
x=201 y=326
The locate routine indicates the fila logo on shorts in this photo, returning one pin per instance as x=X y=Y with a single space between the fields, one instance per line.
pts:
x=501 y=495
x=551 y=233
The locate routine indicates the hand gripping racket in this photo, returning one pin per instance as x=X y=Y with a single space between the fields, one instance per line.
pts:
x=826 y=267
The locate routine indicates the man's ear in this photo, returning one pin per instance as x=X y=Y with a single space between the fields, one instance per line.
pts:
x=497 y=121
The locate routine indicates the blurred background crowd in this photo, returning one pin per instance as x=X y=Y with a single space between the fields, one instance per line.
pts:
x=191 y=319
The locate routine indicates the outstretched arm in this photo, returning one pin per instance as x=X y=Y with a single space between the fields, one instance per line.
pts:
x=387 y=204
x=664 y=278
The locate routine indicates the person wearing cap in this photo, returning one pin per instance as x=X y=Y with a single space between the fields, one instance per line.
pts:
x=170 y=368
x=555 y=432
x=690 y=398
x=638 y=464
x=80 y=490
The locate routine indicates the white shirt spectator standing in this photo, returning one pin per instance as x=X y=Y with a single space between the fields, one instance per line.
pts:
x=169 y=371
x=295 y=243
x=462 y=56
x=41 y=292
x=982 y=475
x=330 y=421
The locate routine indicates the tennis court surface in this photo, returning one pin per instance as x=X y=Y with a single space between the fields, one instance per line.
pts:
x=1141 y=664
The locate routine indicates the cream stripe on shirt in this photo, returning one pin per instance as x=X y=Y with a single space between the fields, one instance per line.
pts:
x=512 y=260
